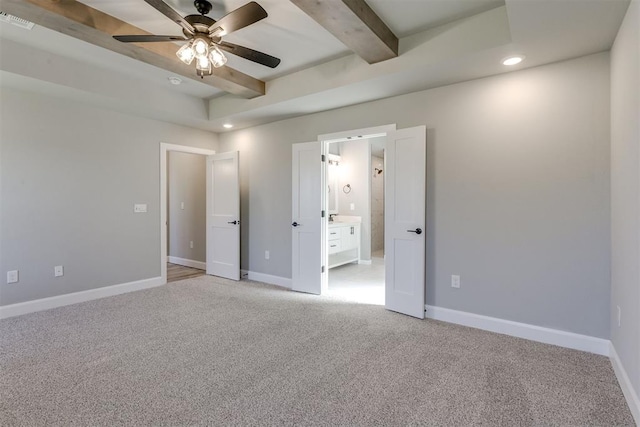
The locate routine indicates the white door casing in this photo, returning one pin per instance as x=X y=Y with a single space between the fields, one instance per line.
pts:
x=165 y=149
x=306 y=219
x=405 y=220
x=223 y=216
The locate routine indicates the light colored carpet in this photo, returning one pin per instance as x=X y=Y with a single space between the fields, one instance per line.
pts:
x=211 y=351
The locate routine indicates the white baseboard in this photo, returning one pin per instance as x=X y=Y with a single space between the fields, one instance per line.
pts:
x=76 y=297
x=625 y=384
x=364 y=261
x=267 y=278
x=187 y=262
x=521 y=330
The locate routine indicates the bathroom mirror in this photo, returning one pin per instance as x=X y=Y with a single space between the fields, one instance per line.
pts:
x=332 y=183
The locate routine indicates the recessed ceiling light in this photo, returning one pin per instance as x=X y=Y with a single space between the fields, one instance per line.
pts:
x=174 y=80
x=513 y=60
x=227 y=125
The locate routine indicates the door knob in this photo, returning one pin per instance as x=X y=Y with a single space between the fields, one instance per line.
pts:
x=233 y=222
x=295 y=224
x=417 y=231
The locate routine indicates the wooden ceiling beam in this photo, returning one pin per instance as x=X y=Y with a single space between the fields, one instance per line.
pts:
x=78 y=20
x=356 y=25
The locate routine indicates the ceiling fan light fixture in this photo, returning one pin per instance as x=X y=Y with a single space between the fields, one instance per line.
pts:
x=216 y=56
x=203 y=66
x=200 y=47
x=186 y=53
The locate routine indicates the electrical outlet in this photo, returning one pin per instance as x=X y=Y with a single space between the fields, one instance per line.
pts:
x=619 y=316
x=12 y=276
x=353 y=206
x=455 y=281
x=182 y=205
x=267 y=255
x=191 y=244
x=58 y=271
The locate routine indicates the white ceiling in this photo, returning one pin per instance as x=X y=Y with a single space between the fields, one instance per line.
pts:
x=288 y=29
x=442 y=41
x=407 y=17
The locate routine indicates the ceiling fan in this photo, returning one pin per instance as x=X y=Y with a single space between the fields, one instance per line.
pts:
x=204 y=35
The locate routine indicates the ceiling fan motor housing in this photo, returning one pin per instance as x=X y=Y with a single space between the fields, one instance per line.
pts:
x=200 y=23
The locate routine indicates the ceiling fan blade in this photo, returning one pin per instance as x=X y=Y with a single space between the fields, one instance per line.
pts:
x=148 y=38
x=250 y=54
x=167 y=11
x=241 y=17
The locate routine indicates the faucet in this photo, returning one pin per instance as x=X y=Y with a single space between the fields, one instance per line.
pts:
x=331 y=217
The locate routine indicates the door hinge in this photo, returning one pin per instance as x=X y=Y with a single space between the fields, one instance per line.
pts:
x=323 y=269
x=323 y=158
x=322 y=214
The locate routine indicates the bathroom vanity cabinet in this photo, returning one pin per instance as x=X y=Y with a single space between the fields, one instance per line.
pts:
x=343 y=243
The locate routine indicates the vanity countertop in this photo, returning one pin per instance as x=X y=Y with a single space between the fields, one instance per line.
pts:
x=346 y=219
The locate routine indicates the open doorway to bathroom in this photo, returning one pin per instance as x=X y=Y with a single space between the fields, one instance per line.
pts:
x=355 y=230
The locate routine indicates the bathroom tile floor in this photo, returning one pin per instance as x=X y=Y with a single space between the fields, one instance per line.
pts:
x=359 y=282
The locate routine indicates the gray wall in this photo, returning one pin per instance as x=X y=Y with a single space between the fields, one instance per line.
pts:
x=187 y=187
x=625 y=193
x=355 y=164
x=518 y=191
x=70 y=174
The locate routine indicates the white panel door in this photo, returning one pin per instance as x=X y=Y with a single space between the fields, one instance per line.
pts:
x=306 y=219
x=405 y=220
x=223 y=216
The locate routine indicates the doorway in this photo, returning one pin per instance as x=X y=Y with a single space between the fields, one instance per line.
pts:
x=221 y=239
x=355 y=226
x=186 y=215
x=404 y=168
x=165 y=149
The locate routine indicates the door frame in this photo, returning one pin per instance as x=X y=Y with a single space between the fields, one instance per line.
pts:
x=164 y=155
x=325 y=140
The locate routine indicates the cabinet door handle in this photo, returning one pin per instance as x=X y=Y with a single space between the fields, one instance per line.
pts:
x=417 y=231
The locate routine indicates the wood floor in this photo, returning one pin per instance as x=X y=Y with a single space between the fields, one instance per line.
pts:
x=177 y=272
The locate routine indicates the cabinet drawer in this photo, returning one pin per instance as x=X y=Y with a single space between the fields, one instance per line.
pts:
x=334 y=246
x=334 y=233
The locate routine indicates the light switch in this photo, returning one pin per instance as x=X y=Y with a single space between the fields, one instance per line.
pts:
x=182 y=205
x=353 y=206
x=12 y=276
x=58 y=271
x=140 y=208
